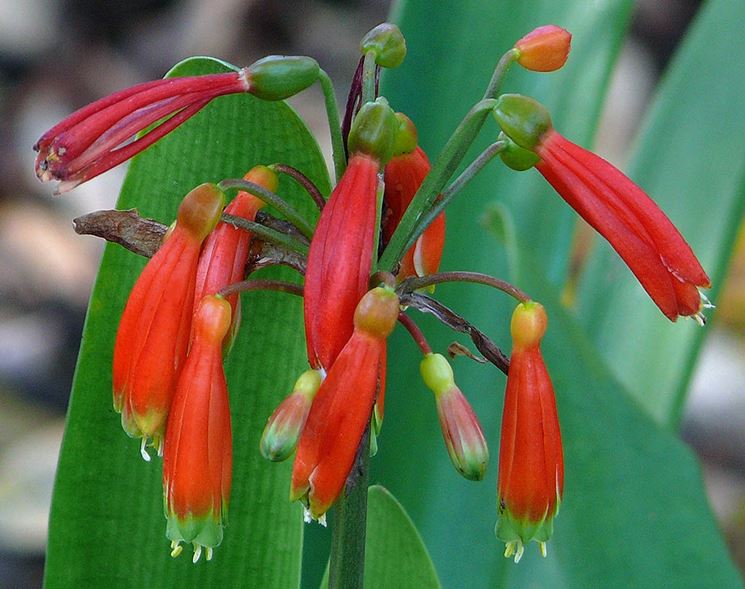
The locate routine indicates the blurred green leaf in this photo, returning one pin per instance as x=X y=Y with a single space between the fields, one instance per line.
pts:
x=691 y=159
x=395 y=555
x=634 y=511
x=107 y=527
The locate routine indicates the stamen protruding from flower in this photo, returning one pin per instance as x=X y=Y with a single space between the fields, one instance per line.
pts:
x=143 y=449
x=197 y=553
x=176 y=548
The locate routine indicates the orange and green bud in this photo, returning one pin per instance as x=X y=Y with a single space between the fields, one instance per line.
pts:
x=406 y=135
x=197 y=460
x=461 y=430
x=531 y=463
x=374 y=131
x=283 y=428
x=523 y=119
x=544 y=49
x=277 y=77
x=153 y=335
x=388 y=44
x=343 y=407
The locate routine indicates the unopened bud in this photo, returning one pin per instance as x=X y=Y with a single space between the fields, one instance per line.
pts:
x=277 y=77
x=374 y=131
x=264 y=176
x=544 y=49
x=388 y=44
x=461 y=430
x=283 y=428
x=200 y=210
x=523 y=119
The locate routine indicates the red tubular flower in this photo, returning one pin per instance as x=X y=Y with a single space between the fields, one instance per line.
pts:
x=342 y=408
x=544 y=49
x=197 y=460
x=404 y=174
x=339 y=261
x=341 y=251
x=153 y=333
x=223 y=258
x=96 y=138
x=461 y=429
x=618 y=209
x=531 y=463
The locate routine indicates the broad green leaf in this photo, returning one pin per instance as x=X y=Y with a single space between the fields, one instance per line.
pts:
x=626 y=478
x=395 y=555
x=107 y=527
x=691 y=159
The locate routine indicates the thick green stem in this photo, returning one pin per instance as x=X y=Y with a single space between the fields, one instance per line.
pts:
x=332 y=114
x=369 y=70
x=347 y=563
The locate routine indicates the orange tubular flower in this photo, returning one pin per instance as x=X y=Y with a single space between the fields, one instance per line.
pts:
x=618 y=209
x=531 y=463
x=197 y=460
x=341 y=251
x=153 y=333
x=223 y=258
x=96 y=138
x=404 y=174
x=342 y=408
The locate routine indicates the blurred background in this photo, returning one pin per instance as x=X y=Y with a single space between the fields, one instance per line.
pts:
x=57 y=55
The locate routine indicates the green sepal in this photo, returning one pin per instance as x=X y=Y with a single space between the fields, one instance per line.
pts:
x=388 y=44
x=277 y=77
x=374 y=130
x=516 y=157
x=523 y=119
x=205 y=530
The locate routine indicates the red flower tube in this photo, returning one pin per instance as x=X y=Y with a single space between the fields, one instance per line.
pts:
x=614 y=206
x=197 y=459
x=223 y=258
x=97 y=137
x=343 y=405
x=404 y=174
x=341 y=251
x=153 y=333
x=531 y=463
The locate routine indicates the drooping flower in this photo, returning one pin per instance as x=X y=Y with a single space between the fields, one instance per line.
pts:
x=404 y=174
x=341 y=251
x=544 y=49
x=531 y=462
x=461 y=430
x=283 y=427
x=225 y=252
x=343 y=406
x=97 y=137
x=197 y=460
x=618 y=209
x=153 y=334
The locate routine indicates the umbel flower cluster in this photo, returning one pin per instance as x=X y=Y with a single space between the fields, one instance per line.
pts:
x=373 y=255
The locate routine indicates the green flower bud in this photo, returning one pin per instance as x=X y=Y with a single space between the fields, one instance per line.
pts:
x=388 y=44
x=406 y=136
x=523 y=119
x=515 y=156
x=374 y=131
x=277 y=77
